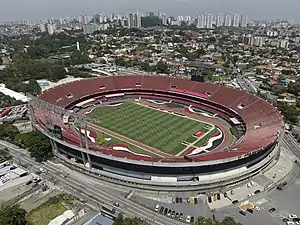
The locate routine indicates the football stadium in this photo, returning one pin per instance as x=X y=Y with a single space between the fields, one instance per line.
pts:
x=159 y=131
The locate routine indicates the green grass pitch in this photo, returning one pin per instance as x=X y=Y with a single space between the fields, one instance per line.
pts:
x=160 y=130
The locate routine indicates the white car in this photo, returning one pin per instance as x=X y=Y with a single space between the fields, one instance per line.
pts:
x=156 y=208
x=188 y=219
x=293 y=216
x=290 y=223
x=256 y=208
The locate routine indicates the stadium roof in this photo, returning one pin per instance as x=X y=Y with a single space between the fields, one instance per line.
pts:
x=13 y=94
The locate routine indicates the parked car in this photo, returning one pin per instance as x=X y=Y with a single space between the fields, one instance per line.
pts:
x=156 y=208
x=165 y=211
x=235 y=202
x=296 y=220
x=195 y=201
x=188 y=219
x=285 y=220
x=176 y=200
x=169 y=212
x=290 y=223
x=256 y=208
x=292 y=216
x=272 y=210
x=256 y=192
x=161 y=210
x=180 y=216
x=250 y=210
x=242 y=212
x=192 y=220
x=177 y=216
x=173 y=214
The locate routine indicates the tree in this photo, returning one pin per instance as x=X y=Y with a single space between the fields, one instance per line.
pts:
x=36 y=143
x=120 y=61
x=129 y=221
x=12 y=215
x=229 y=221
x=79 y=57
x=162 y=67
x=290 y=112
x=8 y=132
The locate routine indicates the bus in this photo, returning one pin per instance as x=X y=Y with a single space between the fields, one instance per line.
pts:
x=109 y=209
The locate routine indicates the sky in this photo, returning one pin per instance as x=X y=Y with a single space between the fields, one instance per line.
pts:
x=13 y=10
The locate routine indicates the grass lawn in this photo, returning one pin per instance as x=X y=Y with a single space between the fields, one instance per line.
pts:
x=203 y=141
x=49 y=210
x=191 y=139
x=114 y=141
x=160 y=130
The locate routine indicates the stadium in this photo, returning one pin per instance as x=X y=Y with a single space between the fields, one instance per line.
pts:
x=158 y=131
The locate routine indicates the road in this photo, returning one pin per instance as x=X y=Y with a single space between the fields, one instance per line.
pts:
x=290 y=142
x=93 y=193
x=246 y=84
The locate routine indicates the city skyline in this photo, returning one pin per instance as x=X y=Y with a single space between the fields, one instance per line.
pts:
x=35 y=10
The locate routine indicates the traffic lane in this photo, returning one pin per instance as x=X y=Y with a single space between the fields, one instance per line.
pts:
x=288 y=137
x=290 y=144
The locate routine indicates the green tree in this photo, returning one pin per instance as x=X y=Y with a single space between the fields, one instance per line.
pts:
x=36 y=143
x=120 y=61
x=162 y=67
x=229 y=221
x=129 y=221
x=79 y=57
x=12 y=215
x=290 y=112
x=8 y=132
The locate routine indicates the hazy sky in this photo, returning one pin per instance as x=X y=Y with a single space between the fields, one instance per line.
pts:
x=11 y=10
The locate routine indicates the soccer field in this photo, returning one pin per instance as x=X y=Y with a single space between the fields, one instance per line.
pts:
x=160 y=130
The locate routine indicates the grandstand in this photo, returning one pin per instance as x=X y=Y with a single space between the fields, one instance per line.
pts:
x=10 y=114
x=258 y=123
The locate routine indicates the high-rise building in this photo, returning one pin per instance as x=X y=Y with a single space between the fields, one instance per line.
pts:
x=209 y=22
x=187 y=19
x=130 y=20
x=180 y=18
x=201 y=21
x=138 y=20
x=219 y=20
x=89 y=28
x=244 y=21
x=43 y=27
x=164 y=19
x=51 y=28
x=227 y=20
x=236 y=20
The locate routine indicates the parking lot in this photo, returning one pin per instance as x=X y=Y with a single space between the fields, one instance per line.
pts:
x=285 y=202
x=185 y=209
